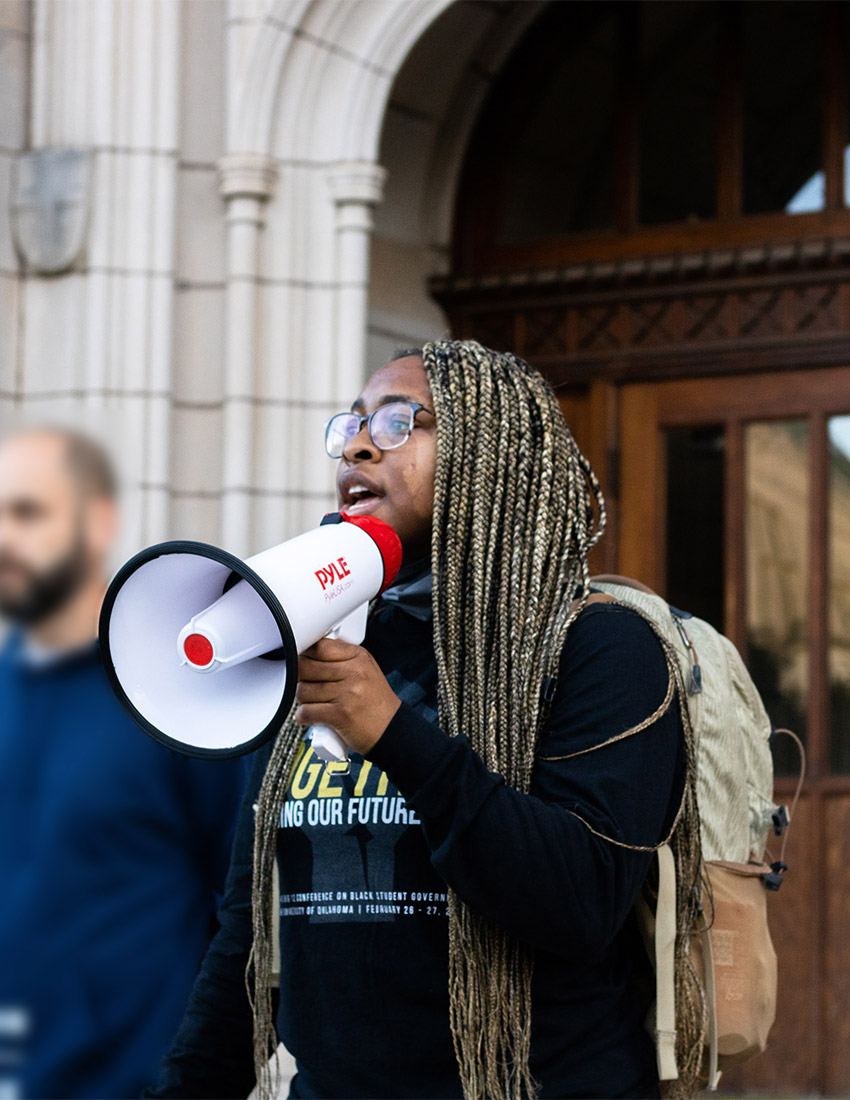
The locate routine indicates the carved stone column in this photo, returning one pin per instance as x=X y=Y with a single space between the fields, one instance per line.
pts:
x=357 y=187
x=246 y=181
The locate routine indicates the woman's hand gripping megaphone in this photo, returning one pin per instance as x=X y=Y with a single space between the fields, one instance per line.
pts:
x=325 y=741
x=342 y=693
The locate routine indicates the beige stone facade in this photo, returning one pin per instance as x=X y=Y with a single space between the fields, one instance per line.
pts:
x=272 y=184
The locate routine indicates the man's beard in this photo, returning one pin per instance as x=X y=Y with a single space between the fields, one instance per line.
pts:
x=47 y=591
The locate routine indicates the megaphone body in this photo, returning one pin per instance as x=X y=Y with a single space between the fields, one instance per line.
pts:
x=202 y=648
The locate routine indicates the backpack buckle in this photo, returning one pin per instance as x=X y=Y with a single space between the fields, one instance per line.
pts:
x=773 y=880
x=781 y=820
x=695 y=677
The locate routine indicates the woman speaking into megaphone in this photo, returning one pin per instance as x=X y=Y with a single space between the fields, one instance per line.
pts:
x=449 y=918
x=388 y=459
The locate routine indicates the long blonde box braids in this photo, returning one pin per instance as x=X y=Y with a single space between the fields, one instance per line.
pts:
x=514 y=520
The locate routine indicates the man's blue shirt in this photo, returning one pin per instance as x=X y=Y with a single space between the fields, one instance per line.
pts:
x=112 y=850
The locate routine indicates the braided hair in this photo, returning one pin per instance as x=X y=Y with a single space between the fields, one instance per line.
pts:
x=517 y=509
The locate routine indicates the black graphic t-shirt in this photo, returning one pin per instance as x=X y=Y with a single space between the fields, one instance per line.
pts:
x=357 y=887
x=340 y=836
x=367 y=859
x=357 y=883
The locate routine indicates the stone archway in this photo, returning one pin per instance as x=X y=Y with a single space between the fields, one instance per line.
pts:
x=314 y=155
x=308 y=86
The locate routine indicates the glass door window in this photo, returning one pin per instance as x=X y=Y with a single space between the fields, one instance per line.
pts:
x=777 y=496
x=839 y=593
x=734 y=502
x=737 y=508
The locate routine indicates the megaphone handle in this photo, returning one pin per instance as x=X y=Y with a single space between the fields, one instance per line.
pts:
x=353 y=627
x=328 y=745
x=326 y=742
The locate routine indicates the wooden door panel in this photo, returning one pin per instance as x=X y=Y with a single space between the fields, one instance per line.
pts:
x=591 y=413
x=755 y=397
x=809 y=1050
x=642 y=483
x=836 y=965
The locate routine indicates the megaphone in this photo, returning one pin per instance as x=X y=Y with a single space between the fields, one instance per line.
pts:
x=202 y=648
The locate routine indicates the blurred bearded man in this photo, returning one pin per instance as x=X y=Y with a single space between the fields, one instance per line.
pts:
x=112 y=848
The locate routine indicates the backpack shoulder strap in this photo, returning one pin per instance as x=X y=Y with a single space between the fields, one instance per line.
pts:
x=665 y=966
x=594 y=597
x=658 y=930
x=711 y=1004
x=626 y=582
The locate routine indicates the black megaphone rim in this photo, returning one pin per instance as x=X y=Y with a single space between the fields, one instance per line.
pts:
x=244 y=572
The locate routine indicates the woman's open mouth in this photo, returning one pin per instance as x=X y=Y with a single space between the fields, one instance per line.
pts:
x=360 y=500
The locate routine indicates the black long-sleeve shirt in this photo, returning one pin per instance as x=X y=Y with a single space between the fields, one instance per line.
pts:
x=366 y=860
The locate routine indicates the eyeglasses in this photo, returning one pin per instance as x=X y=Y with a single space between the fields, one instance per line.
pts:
x=389 y=426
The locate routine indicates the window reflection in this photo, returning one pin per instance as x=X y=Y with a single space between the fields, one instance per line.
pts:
x=810 y=198
x=839 y=592
x=812 y=195
x=777 y=567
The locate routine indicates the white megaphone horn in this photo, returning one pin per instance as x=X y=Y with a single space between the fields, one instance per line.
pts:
x=202 y=648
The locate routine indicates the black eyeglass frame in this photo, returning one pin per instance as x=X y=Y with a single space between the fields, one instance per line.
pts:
x=414 y=406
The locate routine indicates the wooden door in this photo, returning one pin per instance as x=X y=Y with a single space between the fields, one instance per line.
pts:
x=735 y=502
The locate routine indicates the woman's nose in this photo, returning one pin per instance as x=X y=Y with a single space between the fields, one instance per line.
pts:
x=360 y=447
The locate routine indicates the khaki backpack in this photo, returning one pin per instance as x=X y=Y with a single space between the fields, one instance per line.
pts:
x=731 y=947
